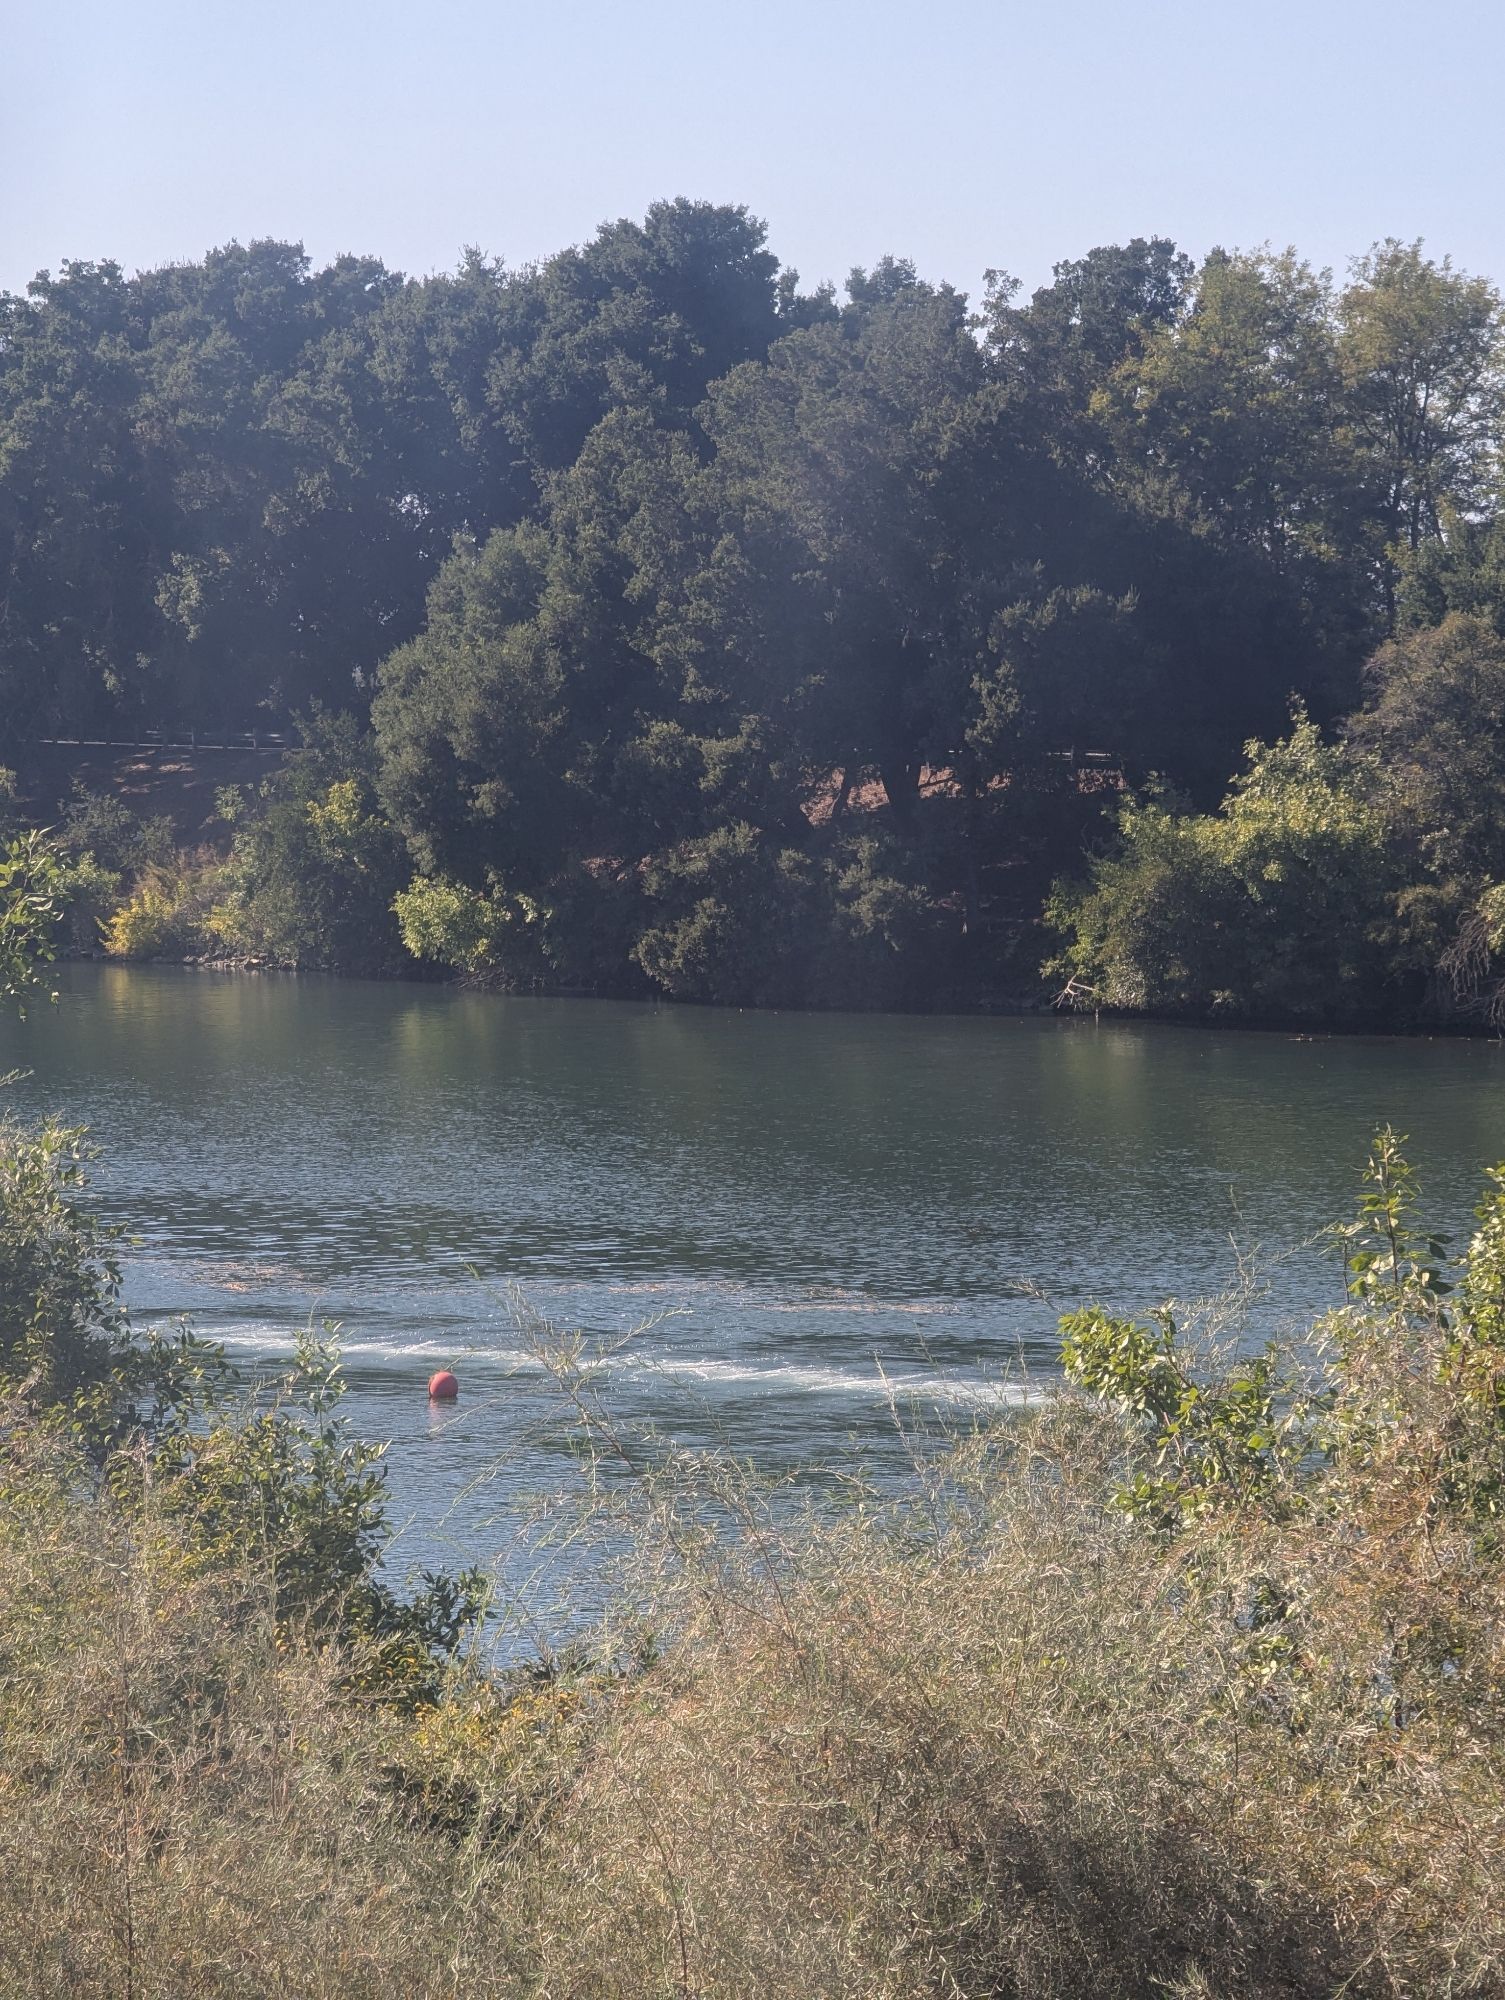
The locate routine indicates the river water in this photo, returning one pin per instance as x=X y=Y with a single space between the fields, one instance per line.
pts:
x=824 y=1220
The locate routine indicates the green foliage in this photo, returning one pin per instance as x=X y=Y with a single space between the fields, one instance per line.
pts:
x=281 y=1490
x=61 y=1324
x=1417 y=1407
x=1388 y=1260
x=1461 y=569
x=314 y=864
x=32 y=895
x=739 y=917
x=275 y=1490
x=122 y=879
x=1226 y=1443
x=474 y=932
x=101 y=826
x=1278 y=905
x=66 y=1346
x=640 y=553
x=1433 y=721
x=1423 y=366
x=1235 y=402
x=168 y=911
x=1405 y=1412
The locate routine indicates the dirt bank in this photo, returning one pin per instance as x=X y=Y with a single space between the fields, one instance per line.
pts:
x=168 y=780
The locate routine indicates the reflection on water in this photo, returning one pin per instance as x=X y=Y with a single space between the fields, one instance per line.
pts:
x=820 y=1213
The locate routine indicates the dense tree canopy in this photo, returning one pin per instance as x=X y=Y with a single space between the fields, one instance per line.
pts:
x=658 y=591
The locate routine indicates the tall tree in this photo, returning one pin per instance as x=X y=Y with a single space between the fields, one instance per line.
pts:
x=1421 y=355
x=78 y=552
x=645 y=314
x=1099 y=311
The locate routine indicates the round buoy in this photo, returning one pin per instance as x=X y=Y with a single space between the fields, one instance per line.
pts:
x=443 y=1388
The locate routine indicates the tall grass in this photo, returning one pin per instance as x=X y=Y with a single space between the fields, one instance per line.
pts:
x=1179 y=1688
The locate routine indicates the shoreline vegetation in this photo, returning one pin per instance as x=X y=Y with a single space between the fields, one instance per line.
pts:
x=645 y=624
x=1185 y=1678
x=1130 y=938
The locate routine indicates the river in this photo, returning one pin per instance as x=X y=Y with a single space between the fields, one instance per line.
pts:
x=824 y=1220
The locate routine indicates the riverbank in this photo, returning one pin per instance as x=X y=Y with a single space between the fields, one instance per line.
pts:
x=302 y=869
x=1040 y=1004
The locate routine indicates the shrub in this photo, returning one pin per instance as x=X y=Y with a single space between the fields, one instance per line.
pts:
x=1281 y=904
x=275 y=1494
x=741 y=917
x=283 y=1496
x=314 y=864
x=32 y=896
x=120 y=841
x=169 y=912
x=66 y=1345
x=471 y=931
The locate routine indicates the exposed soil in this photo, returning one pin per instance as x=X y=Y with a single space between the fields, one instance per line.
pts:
x=166 y=780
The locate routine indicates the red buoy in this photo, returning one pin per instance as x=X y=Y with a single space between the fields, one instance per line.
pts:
x=443 y=1388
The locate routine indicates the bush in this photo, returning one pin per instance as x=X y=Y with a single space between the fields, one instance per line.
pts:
x=471 y=931
x=1281 y=905
x=741 y=917
x=1433 y=721
x=169 y=912
x=314 y=864
x=32 y=899
x=100 y=826
x=281 y=1495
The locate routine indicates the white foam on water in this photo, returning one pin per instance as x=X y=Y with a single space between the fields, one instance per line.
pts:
x=276 y=1342
x=874 y=1383
x=754 y=1298
x=881 y=1385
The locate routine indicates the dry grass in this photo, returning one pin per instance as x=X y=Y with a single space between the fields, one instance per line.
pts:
x=988 y=1741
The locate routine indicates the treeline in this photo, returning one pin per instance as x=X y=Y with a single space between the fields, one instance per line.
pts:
x=656 y=625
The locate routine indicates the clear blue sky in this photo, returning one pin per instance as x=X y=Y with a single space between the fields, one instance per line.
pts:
x=962 y=133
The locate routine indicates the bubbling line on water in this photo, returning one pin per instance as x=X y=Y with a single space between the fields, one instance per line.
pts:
x=879 y=1382
x=816 y=1299
x=230 y=1275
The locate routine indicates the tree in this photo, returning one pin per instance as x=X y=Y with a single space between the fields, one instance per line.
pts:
x=1433 y=721
x=1236 y=402
x=1097 y=314
x=315 y=865
x=841 y=474
x=77 y=546
x=644 y=315
x=1423 y=369
x=1462 y=569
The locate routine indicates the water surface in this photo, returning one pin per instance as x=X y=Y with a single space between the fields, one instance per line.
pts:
x=817 y=1213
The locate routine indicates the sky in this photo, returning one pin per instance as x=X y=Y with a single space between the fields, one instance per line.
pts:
x=963 y=133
